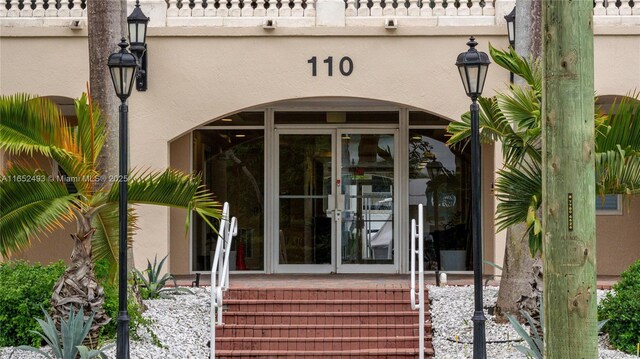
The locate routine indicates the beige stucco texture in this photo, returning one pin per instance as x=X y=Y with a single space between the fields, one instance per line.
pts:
x=196 y=76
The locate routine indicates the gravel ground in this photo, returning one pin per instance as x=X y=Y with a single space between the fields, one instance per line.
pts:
x=182 y=326
x=451 y=312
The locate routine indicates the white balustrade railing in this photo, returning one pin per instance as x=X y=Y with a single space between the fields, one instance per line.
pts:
x=220 y=271
x=43 y=8
x=203 y=9
x=417 y=234
x=241 y=8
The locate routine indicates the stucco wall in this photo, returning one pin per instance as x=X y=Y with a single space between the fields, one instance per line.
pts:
x=197 y=74
x=618 y=244
x=178 y=241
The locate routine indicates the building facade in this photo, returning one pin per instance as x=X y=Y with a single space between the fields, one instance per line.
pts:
x=322 y=123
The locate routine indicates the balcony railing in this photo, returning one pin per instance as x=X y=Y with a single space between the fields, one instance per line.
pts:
x=304 y=13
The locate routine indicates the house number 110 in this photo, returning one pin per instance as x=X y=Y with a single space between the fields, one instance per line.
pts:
x=345 y=66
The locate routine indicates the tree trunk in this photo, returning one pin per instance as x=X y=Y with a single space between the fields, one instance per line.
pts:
x=78 y=287
x=107 y=23
x=521 y=280
x=528 y=29
x=568 y=188
x=106 y=26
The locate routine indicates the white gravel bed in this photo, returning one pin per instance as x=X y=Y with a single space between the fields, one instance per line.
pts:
x=182 y=326
x=451 y=312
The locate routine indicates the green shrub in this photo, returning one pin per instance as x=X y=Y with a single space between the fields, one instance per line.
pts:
x=623 y=311
x=25 y=290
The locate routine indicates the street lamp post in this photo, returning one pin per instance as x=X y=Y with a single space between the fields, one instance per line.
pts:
x=126 y=67
x=473 y=67
x=122 y=66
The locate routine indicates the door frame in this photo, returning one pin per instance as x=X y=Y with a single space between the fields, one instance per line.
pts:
x=299 y=268
x=370 y=268
x=336 y=266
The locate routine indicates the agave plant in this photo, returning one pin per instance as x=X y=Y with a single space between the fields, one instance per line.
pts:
x=66 y=343
x=153 y=286
x=535 y=342
x=513 y=118
x=35 y=203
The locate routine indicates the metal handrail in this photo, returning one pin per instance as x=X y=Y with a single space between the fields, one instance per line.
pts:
x=220 y=271
x=419 y=235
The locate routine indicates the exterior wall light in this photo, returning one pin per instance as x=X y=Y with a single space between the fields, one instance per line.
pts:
x=137 y=24
x=511 y=26
x=511 y=32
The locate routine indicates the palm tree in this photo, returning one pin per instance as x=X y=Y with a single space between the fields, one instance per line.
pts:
x=34 y=202
x=514 y=119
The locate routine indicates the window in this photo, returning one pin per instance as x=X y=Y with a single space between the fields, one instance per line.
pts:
x=610 y=204
x=231 y=162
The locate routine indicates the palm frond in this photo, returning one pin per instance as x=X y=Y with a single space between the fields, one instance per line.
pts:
x=91 y=130
x=30 y=204
x=33 y=125
x=519 y=192
x=36 y=125
x=171 y=188
x=521 y=107
x=493 y=124
x=618 y=172
x=511 y=61
x=623 y=126
x=105 y=240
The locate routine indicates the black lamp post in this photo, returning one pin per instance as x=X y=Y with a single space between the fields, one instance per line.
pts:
x=473 y=67
x=137 y=23
x=511 y=32
x=122 y=66
x=434 y=168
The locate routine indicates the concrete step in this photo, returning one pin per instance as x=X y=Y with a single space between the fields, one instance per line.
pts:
x=311 y=331
x=401 y=353
x=321 y=318
x=320 y=305
x=319 y=294
x=316 y=343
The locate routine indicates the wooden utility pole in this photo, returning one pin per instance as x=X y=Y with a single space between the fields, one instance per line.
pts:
x=568 y=187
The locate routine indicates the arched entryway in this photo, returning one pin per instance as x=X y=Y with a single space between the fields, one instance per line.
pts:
x=329 y=185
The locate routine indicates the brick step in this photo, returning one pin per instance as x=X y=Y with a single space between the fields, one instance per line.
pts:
x=319 y=294
x=320 y=305
x=402 y=353
x=293 y=331
x=318 y=343
x=321 y=318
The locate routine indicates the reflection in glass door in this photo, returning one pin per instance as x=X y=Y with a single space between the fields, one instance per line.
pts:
x=305 y=223
x=366 y=198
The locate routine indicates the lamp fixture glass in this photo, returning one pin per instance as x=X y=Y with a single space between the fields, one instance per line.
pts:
x=137 y=23
x=473 y=66
x=511 y=26
x=122 y=66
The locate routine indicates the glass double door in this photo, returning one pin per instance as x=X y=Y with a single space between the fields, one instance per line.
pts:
x=336 y=201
